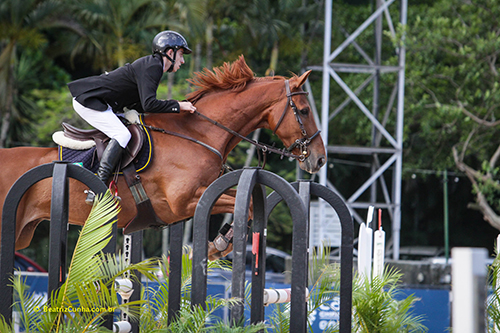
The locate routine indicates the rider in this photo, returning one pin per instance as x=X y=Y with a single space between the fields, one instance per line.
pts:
x=97 y=98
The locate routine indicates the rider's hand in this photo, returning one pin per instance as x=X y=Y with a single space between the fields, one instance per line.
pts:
x=187 y=107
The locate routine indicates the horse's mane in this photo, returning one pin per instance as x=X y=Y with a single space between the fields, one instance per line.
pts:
x=230 y=76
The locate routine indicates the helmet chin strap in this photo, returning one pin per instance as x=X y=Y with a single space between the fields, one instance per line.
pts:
x=172 y=61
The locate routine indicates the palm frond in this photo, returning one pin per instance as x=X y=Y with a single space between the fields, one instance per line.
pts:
x=4 y=327
x=279 y=321
x=25 y=304
x=377 y=309
x=111 y=266
x=94 y=237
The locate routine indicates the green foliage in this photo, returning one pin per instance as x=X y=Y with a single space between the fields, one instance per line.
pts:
x=488 y=184
x=33 y=71
x=115 y=30
x=22 y=29
x=376 y=309
x=54 y=108
x=451 y=80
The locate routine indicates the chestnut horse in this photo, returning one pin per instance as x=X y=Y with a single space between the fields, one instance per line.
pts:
x=181 y=170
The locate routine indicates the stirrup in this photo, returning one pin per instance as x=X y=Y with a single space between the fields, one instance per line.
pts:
x=90 y=197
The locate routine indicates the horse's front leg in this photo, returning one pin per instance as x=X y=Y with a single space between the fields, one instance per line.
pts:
x=224 y=205
x=222 y=245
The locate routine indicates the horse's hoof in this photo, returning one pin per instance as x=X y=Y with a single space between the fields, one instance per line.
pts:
x=213 y=253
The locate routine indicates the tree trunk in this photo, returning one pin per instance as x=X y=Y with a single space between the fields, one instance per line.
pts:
x=7 y=84
x=120 y=54
x=209 y=39
x=4 y=131
x=7 y=112
x=273 y=64
x=197 y=57
x=481 y=204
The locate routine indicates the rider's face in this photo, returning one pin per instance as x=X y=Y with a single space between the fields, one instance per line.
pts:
x=179 y=60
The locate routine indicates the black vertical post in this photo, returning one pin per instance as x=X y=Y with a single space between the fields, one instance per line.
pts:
x=58 y=227
x=241 y=210
x=175 y=271
x=259 y=260
x=300 y=265
x=346 y=253
x=111 y=249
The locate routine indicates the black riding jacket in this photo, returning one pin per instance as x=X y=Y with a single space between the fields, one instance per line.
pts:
x=133 y=86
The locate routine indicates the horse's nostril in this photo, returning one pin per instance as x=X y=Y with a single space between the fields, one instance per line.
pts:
x=321 y=161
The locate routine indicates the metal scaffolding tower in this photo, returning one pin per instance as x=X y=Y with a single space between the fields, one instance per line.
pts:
x=386 y=148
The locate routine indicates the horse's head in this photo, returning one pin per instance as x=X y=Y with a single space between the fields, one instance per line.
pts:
x=292 y=120
x=288 y=113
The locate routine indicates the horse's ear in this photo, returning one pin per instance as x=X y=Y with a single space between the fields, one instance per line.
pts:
x=302 y=79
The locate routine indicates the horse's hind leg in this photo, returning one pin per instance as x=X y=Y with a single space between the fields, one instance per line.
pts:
x=225 y=204
x=25 y=235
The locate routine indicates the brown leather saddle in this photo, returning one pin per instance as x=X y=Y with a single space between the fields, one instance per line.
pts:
x=101 y=140
x=146 y=216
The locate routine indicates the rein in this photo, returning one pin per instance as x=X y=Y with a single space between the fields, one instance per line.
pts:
x=303 y=142
x=262 y=146
x=164 y=131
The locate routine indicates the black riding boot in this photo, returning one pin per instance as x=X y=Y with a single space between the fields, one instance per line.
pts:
x=110 y=158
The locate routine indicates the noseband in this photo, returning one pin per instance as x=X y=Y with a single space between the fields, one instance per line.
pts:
x=304 y=142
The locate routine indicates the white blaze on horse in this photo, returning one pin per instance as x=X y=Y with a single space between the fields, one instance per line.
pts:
x=180 y=169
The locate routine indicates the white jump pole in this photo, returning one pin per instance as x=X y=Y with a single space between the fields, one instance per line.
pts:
x=122 y=327
x=276 y=296
x=365 y=246
x=468 y=273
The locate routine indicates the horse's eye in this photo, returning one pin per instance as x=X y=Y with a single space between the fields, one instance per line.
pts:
x=304 y=111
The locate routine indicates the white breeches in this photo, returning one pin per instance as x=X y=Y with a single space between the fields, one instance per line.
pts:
x=105 y=121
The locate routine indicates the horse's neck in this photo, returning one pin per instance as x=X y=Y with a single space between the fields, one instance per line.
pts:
x=242 y=112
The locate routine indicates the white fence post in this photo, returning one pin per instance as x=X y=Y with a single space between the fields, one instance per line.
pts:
x=469 y=290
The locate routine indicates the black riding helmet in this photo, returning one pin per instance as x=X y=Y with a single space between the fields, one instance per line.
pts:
x=166 y=40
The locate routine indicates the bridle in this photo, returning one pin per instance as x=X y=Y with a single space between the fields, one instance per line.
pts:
x=305 y=141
